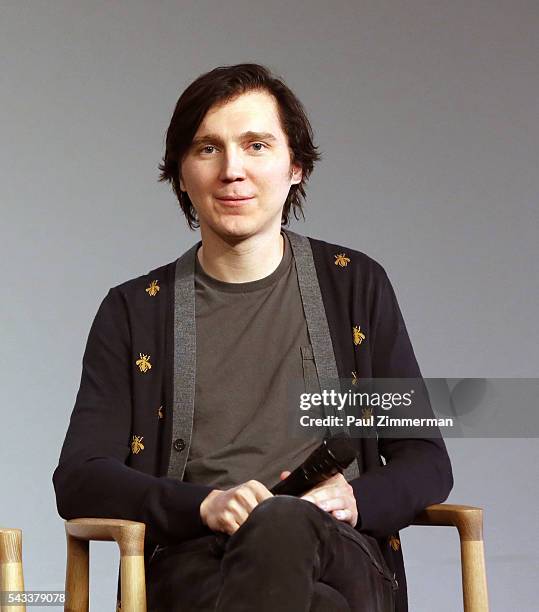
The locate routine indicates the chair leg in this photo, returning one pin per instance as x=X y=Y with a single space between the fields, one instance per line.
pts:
x=77 y=575
x=11 y=575
x=474 y=577
x=133 y=583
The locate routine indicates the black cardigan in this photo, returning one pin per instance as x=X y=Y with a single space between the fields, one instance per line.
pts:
x=118 y=445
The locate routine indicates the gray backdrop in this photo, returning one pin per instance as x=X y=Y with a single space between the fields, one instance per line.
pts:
x=426 y=114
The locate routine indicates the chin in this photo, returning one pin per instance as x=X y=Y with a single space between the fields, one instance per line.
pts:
x=239 y=230
x=236 y=228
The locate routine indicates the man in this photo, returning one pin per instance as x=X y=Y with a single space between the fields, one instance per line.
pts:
x=181 y=418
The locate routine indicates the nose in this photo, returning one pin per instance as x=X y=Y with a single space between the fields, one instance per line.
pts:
x=232 y=166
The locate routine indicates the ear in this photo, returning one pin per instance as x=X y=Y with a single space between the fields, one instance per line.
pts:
x=297 y=174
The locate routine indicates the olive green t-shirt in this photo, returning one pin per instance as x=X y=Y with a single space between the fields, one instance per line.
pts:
x=252 y=340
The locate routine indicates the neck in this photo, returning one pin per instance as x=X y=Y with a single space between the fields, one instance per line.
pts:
x=241 y=261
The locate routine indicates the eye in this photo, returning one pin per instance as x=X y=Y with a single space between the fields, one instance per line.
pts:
x=259 y=143
x=203 y=150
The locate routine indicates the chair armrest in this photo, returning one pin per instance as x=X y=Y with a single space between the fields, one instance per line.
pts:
x=467 y=519
x=129 y=535
x=469 y=522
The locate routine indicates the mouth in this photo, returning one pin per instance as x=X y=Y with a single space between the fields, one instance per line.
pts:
x=234 y=201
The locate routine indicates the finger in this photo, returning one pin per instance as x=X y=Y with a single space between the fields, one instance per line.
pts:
x=337 y=480
x=238 y=511
x=246 y=497
x=336 y=488
x=260 y=491
x=318 y=495
x=227 y=523
x=285 y=474
x=331 y=504
x=344 y=514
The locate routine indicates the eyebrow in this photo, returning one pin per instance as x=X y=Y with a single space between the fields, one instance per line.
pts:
x=250 y=135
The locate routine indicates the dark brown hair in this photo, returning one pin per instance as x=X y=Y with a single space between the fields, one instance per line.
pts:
x=222 y=85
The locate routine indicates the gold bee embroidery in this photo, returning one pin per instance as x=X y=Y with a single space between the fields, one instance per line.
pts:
x=136 y=444
x=144 y=363
x=359 y=336
x=366 y=413
x=355 y=378
x=341 y=260
x=160 y=412
x=394 y=543
x=153 y=288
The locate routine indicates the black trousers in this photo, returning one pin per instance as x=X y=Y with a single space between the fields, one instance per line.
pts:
x=288 y=556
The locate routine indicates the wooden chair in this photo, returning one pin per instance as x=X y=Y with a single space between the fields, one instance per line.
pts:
x=129 y=536
x=11 y=576
x=469 y=523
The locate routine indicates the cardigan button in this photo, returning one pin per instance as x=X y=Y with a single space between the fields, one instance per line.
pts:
x=178 y=445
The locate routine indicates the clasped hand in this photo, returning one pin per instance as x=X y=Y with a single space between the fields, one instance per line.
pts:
x=227 y=510
x=336 y=496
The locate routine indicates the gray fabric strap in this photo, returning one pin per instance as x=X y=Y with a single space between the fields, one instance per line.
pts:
x=184 y=368
x=317 y=325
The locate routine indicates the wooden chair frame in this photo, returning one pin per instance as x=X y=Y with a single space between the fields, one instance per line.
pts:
x=11 y=576
x=129 y=536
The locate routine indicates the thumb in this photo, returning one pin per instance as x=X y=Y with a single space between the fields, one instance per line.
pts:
x=285 y=474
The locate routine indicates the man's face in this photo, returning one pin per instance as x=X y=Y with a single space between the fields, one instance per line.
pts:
x=239 y=150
